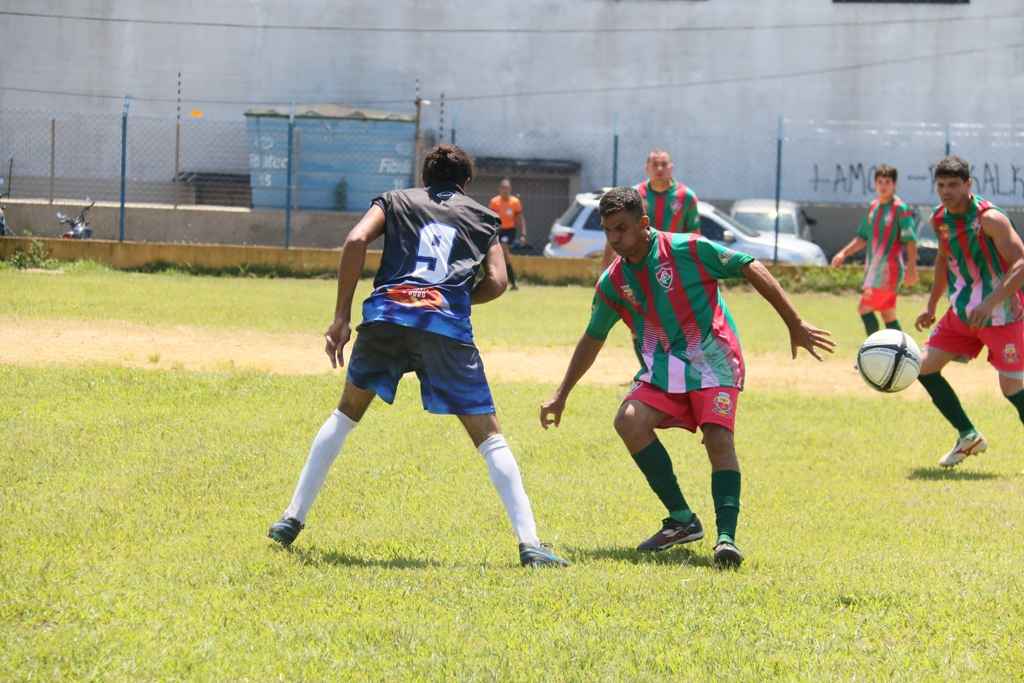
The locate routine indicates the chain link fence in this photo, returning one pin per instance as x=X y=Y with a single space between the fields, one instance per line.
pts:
x=272 y=178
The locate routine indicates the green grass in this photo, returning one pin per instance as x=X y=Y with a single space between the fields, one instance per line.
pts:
x=136 y=503
x=533 y=316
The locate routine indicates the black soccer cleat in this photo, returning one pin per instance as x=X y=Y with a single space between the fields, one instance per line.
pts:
x=540 y=556
x=728 y=555
x=673 y=533
x=285 y=530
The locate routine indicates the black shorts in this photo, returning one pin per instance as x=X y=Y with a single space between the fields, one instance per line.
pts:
x=507 y=236
x=451 y=373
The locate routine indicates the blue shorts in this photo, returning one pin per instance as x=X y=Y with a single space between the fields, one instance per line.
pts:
x=451 y=374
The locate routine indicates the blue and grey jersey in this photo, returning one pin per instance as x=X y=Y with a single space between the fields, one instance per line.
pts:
x=434 y=242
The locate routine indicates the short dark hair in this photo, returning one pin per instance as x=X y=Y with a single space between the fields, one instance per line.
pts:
x=953 y=167
x=447 y=164
x=886 y=171
x=621 y=199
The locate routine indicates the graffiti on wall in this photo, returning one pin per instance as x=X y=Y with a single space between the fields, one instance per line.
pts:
x=855 y=180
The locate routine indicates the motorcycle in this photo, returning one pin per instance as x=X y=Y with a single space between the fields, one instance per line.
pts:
x=78 y=228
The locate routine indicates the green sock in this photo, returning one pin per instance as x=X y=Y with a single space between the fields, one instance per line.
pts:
x=654 y=462
x=946 y=401
x=870 y=323
x=894 y=325
x=725 y=491
x=1018 y=402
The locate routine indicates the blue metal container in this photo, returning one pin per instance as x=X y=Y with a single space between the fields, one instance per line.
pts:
x=343 y=157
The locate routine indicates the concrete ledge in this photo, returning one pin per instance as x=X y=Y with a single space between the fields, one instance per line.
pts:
x=130 y=255
x=301 y=260
x=309 y=261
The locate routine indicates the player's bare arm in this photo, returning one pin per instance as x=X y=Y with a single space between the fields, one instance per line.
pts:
x=927 y=317
x=350 y=267
x=801 y=334
x=495 y=279
x=582 y=359
x=1011 y=249
x=855 y=245
x=521 y=226
x=912 y=277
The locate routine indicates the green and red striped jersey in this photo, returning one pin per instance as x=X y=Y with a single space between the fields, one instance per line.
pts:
x=674 y=210
x=683 y=334
x=886 y=228
x=975 y=266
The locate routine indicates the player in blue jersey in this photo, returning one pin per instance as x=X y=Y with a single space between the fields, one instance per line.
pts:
x=417 y=320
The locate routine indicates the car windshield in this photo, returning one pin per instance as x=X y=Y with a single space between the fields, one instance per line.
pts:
x=926 y=230
x=764 y=221
x=734 y=224
x=569 y=216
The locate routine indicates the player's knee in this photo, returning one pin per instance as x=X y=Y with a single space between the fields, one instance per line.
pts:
x=718 y=441
x=630 y=422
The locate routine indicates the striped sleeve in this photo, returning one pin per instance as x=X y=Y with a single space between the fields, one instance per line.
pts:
x=908 y=223
x=721 y=262
x=864 y=230
x=603 y=310
x=691 y=217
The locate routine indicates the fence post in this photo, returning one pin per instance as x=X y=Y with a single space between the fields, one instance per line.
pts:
x=53 y=153
x=288 y=184
x=177 y=144
x=615 y=160
x=949 y=146
x=124 y=162
x=778 y=188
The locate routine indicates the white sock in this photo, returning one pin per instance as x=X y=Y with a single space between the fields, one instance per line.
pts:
x=322 y=453
x=504 y=471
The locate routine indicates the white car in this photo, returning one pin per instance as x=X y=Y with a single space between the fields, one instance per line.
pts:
x=759 y=214
x=578 y=234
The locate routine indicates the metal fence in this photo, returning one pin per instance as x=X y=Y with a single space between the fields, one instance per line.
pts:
x=296 y=172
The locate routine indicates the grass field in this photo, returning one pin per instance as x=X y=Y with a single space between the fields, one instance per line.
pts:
x=136 y=503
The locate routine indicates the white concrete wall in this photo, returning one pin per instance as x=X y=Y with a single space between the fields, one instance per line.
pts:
x=713 y=97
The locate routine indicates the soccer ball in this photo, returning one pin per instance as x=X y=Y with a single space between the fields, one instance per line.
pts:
x=889 y=360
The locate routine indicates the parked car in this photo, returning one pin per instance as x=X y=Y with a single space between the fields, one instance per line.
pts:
x=927 y=240
x=759 y=214
x=578 y=234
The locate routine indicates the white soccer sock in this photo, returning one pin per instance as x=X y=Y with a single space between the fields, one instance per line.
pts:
x=504 y=471
x=322 y=453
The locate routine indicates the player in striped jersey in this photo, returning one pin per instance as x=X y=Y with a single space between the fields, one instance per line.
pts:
x=670 y=205
x=887 y=227
x=665 y=287
x=981 y=265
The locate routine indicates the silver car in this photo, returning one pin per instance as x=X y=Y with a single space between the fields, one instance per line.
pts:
x=578 y=234
x=759 y=214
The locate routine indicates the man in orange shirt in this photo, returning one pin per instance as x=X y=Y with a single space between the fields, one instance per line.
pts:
x=510 y=210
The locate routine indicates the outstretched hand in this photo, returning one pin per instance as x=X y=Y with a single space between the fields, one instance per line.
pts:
x=810 y=338
x=336 y=336
x=925 y=320
x=551 y=412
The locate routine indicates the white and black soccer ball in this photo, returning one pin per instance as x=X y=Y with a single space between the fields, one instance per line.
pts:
x=889 y=360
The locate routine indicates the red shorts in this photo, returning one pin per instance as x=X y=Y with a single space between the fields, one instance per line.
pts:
x=878 y=299
x=1005 y=342
x=692 y=409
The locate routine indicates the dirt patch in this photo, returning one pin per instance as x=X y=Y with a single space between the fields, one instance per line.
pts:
x=68 y=342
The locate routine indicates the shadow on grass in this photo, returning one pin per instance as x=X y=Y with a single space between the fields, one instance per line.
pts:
x=314 y=557
x=937 y=474
x=672 y=556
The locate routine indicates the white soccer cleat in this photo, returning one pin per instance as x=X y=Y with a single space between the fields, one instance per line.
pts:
x=972 y=444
